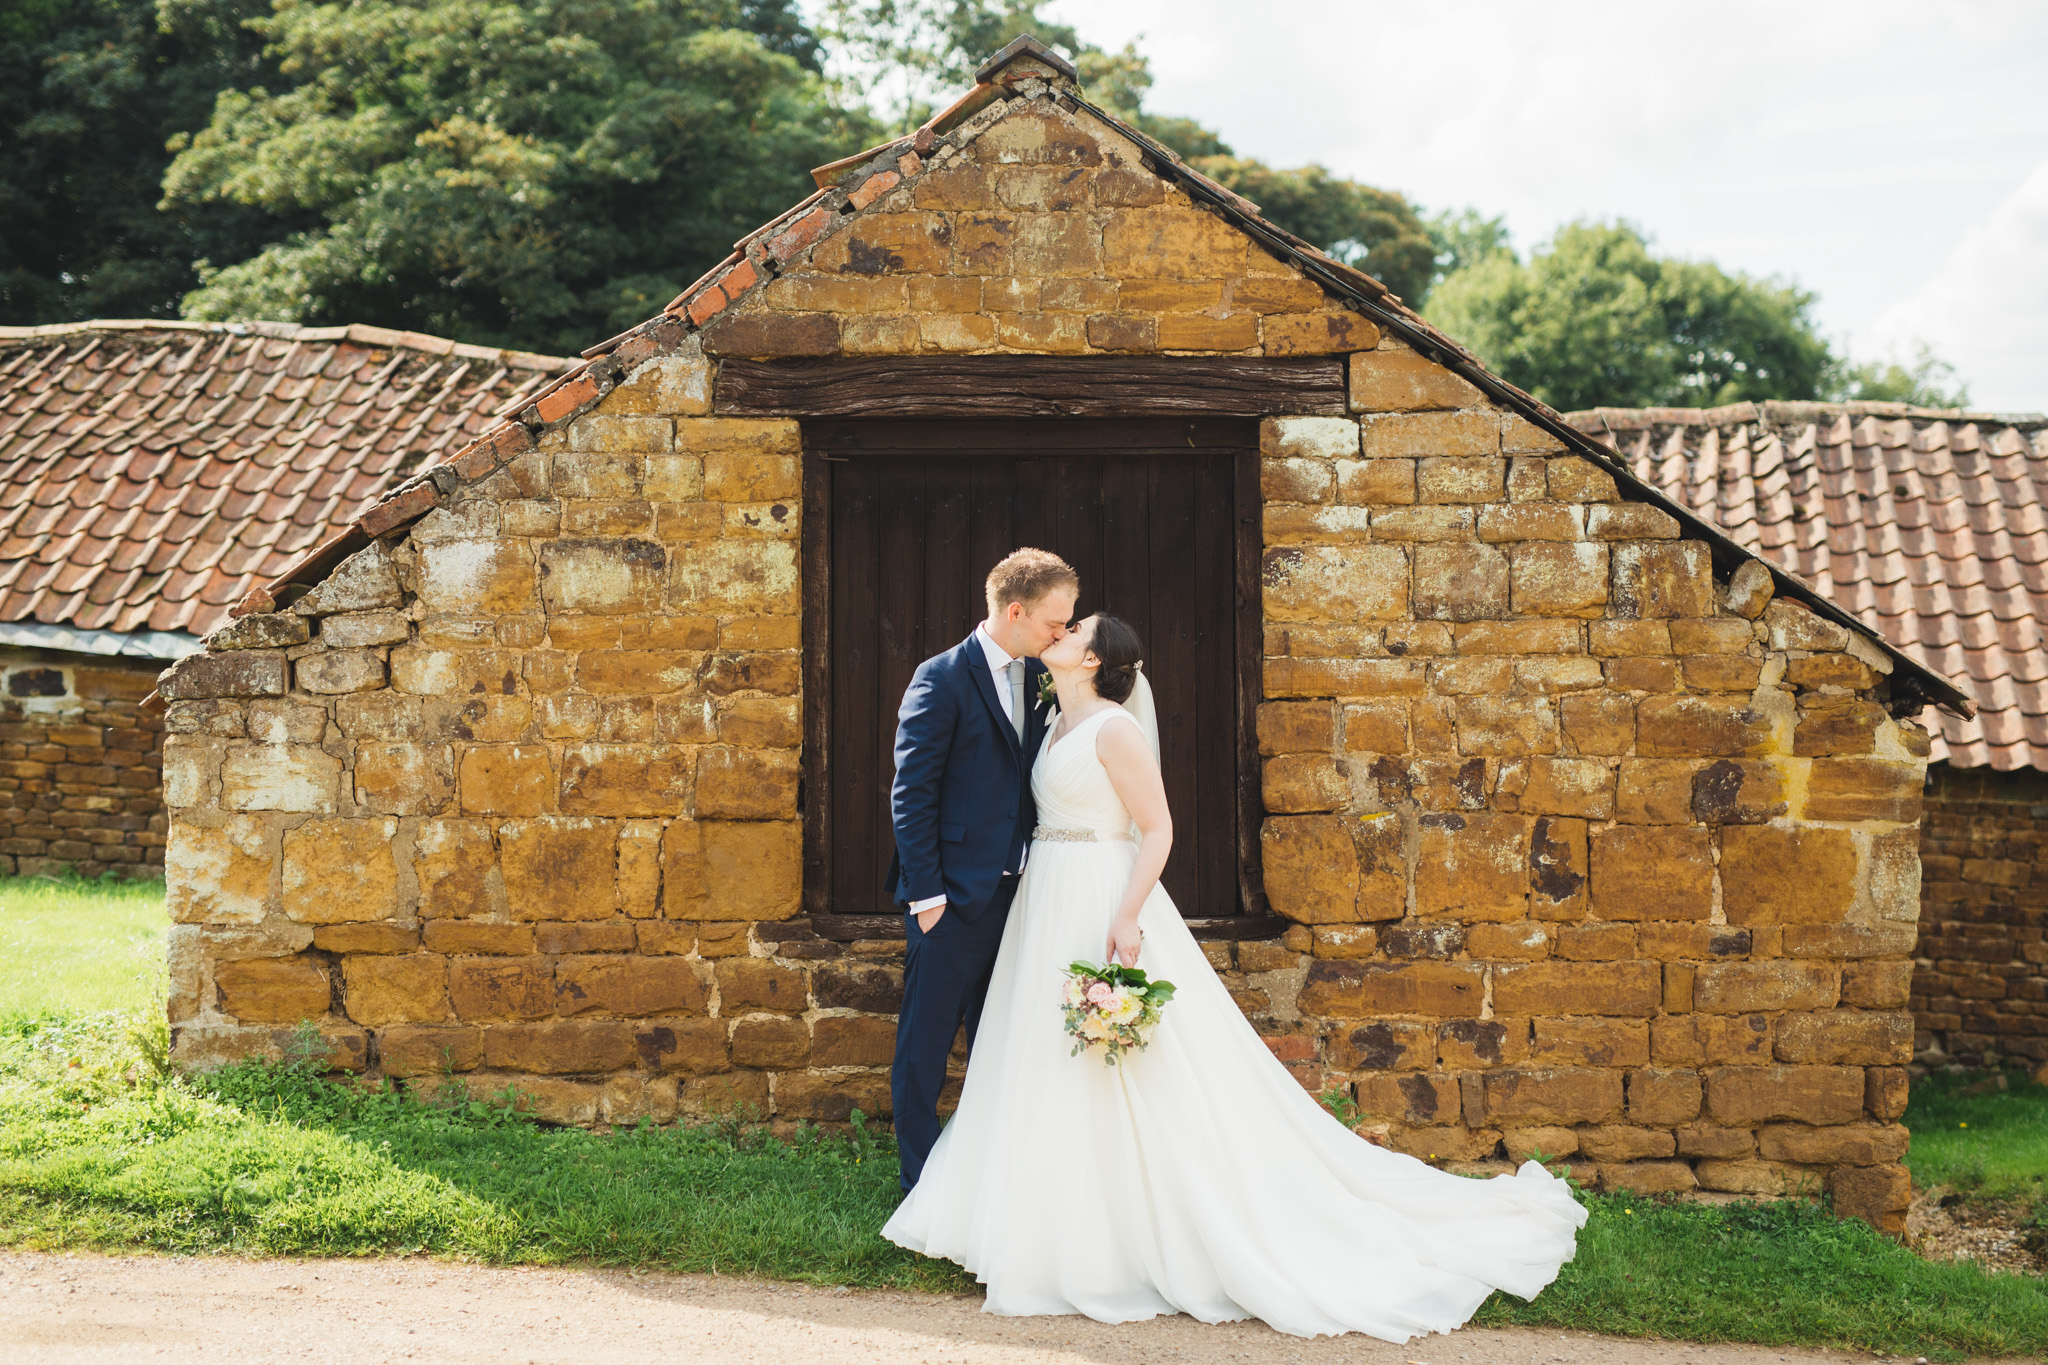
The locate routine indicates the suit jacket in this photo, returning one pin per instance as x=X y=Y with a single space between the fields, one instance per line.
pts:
x=961 y=802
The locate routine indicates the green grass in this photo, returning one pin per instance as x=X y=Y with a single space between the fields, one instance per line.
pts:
x=1988 y=1146
x=76 y=946
x=99 y=1150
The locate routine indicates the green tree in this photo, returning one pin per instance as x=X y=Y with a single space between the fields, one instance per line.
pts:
x=1465 y=237
x=89 y=90
x=522 y=172
x=1926 y=381
x=1594 y=317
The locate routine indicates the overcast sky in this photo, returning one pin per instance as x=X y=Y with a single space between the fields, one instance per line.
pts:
x=1890 y=155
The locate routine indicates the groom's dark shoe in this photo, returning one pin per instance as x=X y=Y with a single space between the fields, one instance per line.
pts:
x=945 y=980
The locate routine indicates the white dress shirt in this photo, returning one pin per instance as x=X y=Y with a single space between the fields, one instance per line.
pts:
x=998 y=666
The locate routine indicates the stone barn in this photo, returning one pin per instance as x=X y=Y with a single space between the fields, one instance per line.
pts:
x=1928 y=526
x=1516 y=802
x=151 y=475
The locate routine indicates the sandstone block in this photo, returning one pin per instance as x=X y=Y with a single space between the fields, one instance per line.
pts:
x=1863 y=789
x=340 y=670
x=1385 y=1045
x=1620 y=1142
x=341 y=870
x=409 y=1051
x=1294 y=783
x=1804 y=1094
x=1738 y=792
x=1559 y=1095
x=1662 y=579
x=735 y=578
x=1330 y=332
x=477 y=577
x=1343 y=940
x=471 y=937
x=1521 y=942
x=410 y=988
x=561 y=1048
x=1596 y=942
x=1557 y=868
x=1172 y=243
x=1879 y=1195
x=365 y=581
x=1405 y=381
x=599 y=936
x=1375 y=483
x=1647 y=1177
x=1885 y=1091
x=809 y=1098
x=1768 y=1178
x=1569 y=786
x=1460 y=581
x=1854 y=1037
x=695 y=1046
x=771 y=1043
x=1877 y=985
x=629 y=986
x=260 y=630
x=1473 y=1044
x=1356 y=990
x=602 y=576
x=1288 y=727
x=1710 y=1141
x=731 y=870
x=284 y=722
x=844 y=1041
x=1848 y=1144
x=625 y=780
x=1560 y=579
x=1793 y=625
x=1467 y=432
x=243 y=673
x=754 y=984
x=747 y=784
x=272 y=990
x=404 y=779
x=1630 y=521
x=1583 y=1041
x=456 y=865
x=508 y=779
x=218 y=875
x=558 y=867
x=378 y=937
x=1651 y=872
x=1889 y=939
x=1773 y=875
x=1460 y=479
x=281 y=777
x=1662 y=1098
x=1339 y=584
x=1413 y=1097
x=1615 y=989
x=1573 y=479
x=858 y=986
x=1714 y=727
x=1597 y=723
x=1739 y=987
x=1749 y=590
x=1540 y=1143
x=1472 y=866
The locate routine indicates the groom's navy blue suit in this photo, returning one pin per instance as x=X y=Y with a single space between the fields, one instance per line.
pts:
x=963 y=814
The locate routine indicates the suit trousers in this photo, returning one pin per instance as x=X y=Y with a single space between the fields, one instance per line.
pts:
x=945 y=982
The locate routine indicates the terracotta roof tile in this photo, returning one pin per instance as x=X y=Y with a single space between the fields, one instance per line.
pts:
x=1928 y=526
x=153 y=473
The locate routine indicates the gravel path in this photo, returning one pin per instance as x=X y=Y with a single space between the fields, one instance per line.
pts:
x=72 y=1310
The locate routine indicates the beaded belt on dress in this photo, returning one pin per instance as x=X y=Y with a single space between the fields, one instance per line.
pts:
x=1074 y=836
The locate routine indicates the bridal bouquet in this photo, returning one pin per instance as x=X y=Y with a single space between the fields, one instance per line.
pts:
x=1111 y=1007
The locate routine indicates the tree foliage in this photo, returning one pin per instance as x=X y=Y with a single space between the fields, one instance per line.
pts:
x=1594 y=318
x=524 y=172
x=89 y=90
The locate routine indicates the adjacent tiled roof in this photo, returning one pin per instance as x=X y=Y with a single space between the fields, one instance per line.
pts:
x=1927 y=524
x=1022 y=73
x=151 y=473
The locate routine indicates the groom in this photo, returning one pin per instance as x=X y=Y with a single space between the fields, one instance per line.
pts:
x=969 y=727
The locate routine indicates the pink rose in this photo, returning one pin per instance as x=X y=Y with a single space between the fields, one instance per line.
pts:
x=1100 y=993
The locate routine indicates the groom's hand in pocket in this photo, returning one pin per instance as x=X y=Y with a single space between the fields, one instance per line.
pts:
x=926 y=919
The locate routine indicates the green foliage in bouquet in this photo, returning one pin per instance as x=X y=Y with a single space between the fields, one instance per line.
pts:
x=1118 y=1021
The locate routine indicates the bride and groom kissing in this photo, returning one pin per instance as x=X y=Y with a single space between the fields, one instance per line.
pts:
x=1196 y=1176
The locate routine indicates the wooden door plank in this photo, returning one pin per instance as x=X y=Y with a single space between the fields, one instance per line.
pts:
x=1002 y=386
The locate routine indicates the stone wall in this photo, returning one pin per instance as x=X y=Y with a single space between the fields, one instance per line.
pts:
x=78 y=765
x=1586 y=854
x=1980 y=992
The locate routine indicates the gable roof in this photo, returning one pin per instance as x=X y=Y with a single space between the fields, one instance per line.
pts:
x=152 y=473
x=1927 y=524
x=1023 y=73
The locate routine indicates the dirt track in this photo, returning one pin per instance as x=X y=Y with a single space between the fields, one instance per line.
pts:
x=77 y=1309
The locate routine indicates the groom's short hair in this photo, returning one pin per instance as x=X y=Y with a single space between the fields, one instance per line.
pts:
x=1026 y=576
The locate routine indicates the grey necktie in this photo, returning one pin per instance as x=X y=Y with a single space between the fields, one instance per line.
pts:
x=1016 y=671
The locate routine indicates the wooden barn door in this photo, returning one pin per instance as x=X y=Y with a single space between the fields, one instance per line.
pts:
x=903 y=522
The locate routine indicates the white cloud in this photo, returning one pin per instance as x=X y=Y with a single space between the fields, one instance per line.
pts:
x=1986 y=308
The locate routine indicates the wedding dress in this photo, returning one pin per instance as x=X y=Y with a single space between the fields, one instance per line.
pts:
x=1198 y=1176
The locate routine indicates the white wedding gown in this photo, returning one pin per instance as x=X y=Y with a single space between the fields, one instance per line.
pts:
x=1197 y=1177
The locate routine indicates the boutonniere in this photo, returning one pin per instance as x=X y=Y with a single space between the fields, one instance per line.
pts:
x=1047 y=696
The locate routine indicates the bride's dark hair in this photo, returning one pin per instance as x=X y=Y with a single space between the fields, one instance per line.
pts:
x=1116 y=644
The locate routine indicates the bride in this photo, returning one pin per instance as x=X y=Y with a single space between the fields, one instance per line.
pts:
x=1196 y=1177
